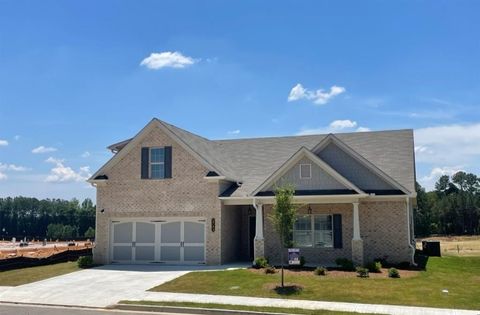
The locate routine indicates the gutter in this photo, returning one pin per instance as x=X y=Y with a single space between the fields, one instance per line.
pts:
x=412 y=259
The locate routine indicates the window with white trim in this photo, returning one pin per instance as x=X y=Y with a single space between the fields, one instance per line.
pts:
x=157 y=163
x=313 y=231
x=305 y=171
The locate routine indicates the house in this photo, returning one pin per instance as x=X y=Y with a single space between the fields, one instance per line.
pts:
x=170 y=196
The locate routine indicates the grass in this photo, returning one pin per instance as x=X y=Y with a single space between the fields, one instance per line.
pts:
x=27 y=275
x=239 y=307
x=459 y=275
x=456 y=245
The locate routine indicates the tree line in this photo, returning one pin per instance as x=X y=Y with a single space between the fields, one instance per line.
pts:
x=47 y=218
x=452 y=208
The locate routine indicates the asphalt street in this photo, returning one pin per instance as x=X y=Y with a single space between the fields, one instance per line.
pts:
x=19 y=309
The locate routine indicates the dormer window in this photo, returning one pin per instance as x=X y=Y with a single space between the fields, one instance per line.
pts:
x=157 y=163
x=305 y=171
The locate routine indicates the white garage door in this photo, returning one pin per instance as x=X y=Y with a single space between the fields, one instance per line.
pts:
x=167 y=241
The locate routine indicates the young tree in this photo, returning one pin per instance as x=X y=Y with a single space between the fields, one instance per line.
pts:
x=283 y=218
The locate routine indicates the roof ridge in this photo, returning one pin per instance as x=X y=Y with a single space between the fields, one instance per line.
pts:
x=314 y=135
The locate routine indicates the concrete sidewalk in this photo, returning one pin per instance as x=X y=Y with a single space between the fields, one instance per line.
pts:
x=306 y=304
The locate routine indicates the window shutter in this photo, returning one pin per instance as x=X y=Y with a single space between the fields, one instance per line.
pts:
x=337 y=231
x=168 y=162
x=145 y=160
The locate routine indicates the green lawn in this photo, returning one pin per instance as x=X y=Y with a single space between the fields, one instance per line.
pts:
x=459 y=275
x=240 y=308
x=26 y=275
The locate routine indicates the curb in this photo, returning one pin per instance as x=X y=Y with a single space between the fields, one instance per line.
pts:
x=187 y=310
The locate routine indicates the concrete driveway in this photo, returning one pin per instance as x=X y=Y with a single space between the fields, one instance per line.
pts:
x=98 y=287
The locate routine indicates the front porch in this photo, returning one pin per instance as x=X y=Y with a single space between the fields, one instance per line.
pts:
x=247 y=233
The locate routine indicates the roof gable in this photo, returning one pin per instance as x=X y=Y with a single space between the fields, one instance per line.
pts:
x=128 y=146
x=354 y=166
x=333 y=178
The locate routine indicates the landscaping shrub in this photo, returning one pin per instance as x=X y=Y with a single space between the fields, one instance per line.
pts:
x=260 y=262
x=270 y=269
x=393 y=273
x=345 y=264
x=320 y=271
x=374 y=266
x=85 y=261
x=362 y=272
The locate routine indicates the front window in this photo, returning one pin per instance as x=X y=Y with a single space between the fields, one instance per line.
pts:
x=157 y=163
x=313 y=231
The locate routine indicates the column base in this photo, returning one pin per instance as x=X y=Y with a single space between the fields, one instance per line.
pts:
x=259 y=248
x=357 y=252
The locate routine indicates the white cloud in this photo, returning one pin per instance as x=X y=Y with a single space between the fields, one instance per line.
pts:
x=346 y=125
x=3 y=143
x=342 y=124
x=43 y=149
x=12 y=167
x=319 y=97
x=61 y=173
x=429 y=180
x=448 y=145
x=85 y=154
x=363 y=129
x=234 y=132
x=167 y=59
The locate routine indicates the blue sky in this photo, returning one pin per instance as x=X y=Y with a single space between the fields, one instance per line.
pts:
x=72 y=79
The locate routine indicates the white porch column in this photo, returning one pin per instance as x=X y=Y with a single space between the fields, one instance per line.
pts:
x=357 y=242
x=258 y=242
x=356 y=222
x=259 y=222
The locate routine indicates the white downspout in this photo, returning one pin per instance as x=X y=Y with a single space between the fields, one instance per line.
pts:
x=412 y=259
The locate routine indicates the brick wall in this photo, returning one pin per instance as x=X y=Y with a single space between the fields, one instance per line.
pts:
x=383 y=228
x=187 y=194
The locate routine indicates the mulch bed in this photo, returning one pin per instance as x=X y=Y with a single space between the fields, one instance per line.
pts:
x=340 y=273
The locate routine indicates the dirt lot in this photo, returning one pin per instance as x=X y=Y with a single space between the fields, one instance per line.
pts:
x=37 y=249
x=456 y=245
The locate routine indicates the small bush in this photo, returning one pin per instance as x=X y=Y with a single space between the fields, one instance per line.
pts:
x=374 y=266
x=345 y=264
x=302 y=261
x=260 y=262
x=362 y=272
x=85 y=261
x=320 y=271
x=270 y=270
x=393 y=273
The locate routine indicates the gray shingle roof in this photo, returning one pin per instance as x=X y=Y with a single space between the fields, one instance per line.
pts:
x=251 y=161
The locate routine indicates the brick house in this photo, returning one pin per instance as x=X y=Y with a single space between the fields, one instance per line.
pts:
x=170 y=196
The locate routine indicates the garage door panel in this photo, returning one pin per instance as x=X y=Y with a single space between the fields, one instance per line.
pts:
x=122 y=253
x=171 y=232
x=145 y=253
x=123 y=232
x=145 y=232
x=194 y=253
x=170 y=253
x=194 y=232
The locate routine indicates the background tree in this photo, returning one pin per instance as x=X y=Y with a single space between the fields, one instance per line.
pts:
x=283 y=218
x=29 y=217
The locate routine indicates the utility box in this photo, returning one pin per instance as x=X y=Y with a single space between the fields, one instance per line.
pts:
x=431 y=248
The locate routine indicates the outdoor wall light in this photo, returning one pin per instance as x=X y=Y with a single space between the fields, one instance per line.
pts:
x=102 y=211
